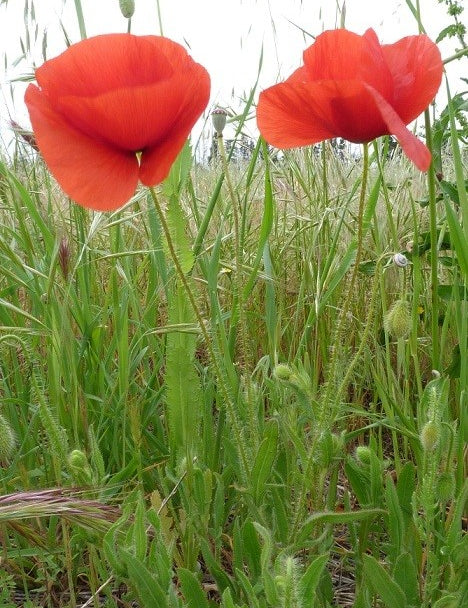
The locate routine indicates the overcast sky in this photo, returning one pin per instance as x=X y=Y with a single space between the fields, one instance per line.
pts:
x=226 y=36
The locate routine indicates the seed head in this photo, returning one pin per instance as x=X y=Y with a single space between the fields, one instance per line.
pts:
x=127 y=8
x=64 y=257
x=218 y=116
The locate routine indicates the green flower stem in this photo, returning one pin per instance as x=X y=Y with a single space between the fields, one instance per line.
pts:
x=228 y=400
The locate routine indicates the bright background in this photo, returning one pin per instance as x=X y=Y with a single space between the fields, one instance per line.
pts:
x=226 y=36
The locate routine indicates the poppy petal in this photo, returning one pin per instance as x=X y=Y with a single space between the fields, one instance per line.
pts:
x=299 y=114
x=90 y=172
x=343 y=55
x=413 y=147
x=416 y=67
x=134 y=118
x=111 y=61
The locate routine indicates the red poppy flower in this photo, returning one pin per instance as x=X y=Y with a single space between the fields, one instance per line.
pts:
x=113 y=110
x=353 y=87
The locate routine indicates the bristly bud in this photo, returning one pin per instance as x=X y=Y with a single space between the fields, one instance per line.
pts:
x=79 y=467
x=127 y=8
x=283 y=372
x=363 y=454
x=7 y=440
x=446 y=487
x=397 y=321
x=64 y=257
x=430 y=436
x=218 y=116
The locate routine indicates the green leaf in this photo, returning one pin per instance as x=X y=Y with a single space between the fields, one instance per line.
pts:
x=251 y=547
x=396 y=524
x=336 y=518
x=143 y=582
x=310 y=579
x=183 y=392
x=264 y=460
x=406 y=576
x=382 y=584
x=458 y=239
x=191 y=589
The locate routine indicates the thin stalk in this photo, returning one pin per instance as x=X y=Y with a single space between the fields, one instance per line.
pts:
x=434 y=251
x=228 y=400
x=80 y=17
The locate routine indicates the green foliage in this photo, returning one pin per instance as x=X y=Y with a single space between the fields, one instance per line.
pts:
x=218 y=367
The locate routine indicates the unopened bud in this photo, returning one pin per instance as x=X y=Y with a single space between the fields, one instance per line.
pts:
x=445 y=487
x=397 y=321
x=127 y=8
x=363 y=454
x=282 y=372
x=430 y=435
x=218 y=116
x=7 y=439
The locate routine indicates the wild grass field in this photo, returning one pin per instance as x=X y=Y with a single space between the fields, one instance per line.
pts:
x=247 y=387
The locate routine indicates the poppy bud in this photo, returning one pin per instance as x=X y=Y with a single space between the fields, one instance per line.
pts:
x=127 y=8
x=446 y=487
x=430 y=435
x=397 y=321
x=283 y=372
x=7 y=439
x=363 y=454
x=218 y=116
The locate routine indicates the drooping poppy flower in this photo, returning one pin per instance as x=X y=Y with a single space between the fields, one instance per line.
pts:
x=113 y=110
x=353 y=87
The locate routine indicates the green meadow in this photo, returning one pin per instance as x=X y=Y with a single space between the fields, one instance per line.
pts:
x=246 y=388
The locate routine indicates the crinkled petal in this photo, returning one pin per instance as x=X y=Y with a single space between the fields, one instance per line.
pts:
x=134 y=118
x=111 y=61
x=92 y=173
x=297 y=113
x=342 y=55
x=413 y=147
x=416 y=67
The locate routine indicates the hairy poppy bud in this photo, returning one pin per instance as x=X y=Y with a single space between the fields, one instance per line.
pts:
x=218 y=116
x=363 y=454
x=397 y=321
x=7 y=439
x=127 y=8
x=430 y=435
x=282 y=372
x=446 y=487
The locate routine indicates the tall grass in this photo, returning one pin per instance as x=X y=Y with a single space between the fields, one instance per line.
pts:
x=247 y=388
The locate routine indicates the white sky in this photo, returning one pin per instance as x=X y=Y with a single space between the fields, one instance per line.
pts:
x=226 y=36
